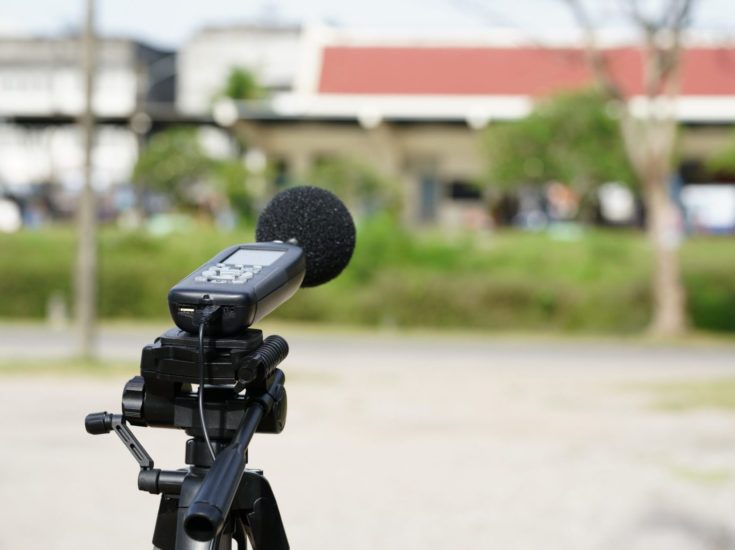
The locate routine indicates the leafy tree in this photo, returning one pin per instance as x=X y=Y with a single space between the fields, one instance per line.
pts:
x=572 y=137
x=174 y=162
x=724 y=159
x=231 y=176
x=242 y=84
x=650 y=137
x=363 y=188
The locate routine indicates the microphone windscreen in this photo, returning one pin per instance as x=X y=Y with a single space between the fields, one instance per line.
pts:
x=319 y=222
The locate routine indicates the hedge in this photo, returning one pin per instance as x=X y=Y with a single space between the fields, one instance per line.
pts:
x=503 y=281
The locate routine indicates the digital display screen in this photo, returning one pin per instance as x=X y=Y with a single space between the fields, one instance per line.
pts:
x=245 y=256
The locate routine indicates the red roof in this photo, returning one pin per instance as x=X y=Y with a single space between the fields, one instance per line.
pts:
x=527 y=71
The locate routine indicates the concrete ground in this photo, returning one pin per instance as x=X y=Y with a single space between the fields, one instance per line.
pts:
x=405 y=442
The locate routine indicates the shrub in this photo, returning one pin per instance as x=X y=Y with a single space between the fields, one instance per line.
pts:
x=506 y=281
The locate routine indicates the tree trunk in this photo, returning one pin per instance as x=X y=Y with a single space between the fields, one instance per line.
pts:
x=650 y=140
x=86 y=264
x=664 y=229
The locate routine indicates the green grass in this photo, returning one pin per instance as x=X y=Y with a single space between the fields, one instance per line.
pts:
x=694 y=395
x=700 y=476
x=508 y=281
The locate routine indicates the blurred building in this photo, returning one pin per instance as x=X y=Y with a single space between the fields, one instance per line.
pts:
x=271 y=53
x=411 y=106
x=42 y=95
x=414 y=107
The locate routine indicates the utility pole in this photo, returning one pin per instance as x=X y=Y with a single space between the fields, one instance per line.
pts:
x=86 y=265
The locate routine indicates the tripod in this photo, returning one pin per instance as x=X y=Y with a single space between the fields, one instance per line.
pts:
x=214 y=501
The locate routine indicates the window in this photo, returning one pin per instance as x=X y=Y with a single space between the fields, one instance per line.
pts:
x=460 y=190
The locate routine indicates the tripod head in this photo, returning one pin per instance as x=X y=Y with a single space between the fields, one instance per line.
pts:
x=162 y=395
x=246 y=394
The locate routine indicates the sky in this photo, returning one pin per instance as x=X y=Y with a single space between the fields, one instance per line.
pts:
x=170 y=22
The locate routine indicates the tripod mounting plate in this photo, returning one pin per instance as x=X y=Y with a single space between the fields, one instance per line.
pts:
x=174 y=356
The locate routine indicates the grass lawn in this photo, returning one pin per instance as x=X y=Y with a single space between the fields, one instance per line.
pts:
x=512 y=281
x=692 y=395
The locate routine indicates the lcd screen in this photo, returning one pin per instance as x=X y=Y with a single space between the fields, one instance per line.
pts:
x=253 y=257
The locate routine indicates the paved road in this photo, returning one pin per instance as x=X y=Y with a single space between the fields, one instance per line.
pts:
x=348 y=349
x=408 y=443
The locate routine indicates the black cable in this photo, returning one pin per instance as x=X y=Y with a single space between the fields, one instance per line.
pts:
x=201 y=389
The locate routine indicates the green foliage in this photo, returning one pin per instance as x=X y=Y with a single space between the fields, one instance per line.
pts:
x=241 y=84
x=45 y=270
x=172 y=161
x=710 y=285
x=724 y=159
x=230 y=175
x=572 y=138
x=360 y=186
x=508 y=281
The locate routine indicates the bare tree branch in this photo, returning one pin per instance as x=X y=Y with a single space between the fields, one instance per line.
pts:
x=671 y=53
x=677 y=16
x=632 y=9
x=595 y=57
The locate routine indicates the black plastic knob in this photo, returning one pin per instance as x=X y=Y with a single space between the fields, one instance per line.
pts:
x=132 y=400
x=98 y=423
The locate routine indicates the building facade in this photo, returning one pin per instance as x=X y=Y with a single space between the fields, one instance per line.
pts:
x=415 y=108
x=411 y=107
x=42 y=95
x=271 y=53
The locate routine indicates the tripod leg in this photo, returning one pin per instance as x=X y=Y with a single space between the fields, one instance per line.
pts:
x=256 y=513
x=240 y=533
x=169 y=533
x=164 y=535
x=183 y=542
x=254 y=517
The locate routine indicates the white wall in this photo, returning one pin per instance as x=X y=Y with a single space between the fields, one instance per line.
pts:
x=32 y=155
x=38 y=90
x=207 y=59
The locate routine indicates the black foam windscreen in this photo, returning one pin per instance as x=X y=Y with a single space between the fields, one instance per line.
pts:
x=319 y=223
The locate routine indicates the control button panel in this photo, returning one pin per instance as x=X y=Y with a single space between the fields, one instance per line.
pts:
x=222 y=273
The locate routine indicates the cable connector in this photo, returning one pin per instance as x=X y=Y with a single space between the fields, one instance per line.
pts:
x=205 y=315
x=202 y=317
